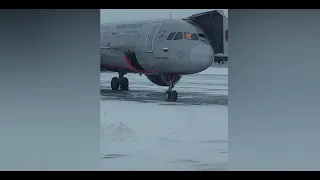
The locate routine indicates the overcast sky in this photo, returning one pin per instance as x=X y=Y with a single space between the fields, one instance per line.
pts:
x=118 y=15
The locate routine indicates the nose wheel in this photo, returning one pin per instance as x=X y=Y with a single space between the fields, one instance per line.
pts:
x=121 y=83
x=170 y=95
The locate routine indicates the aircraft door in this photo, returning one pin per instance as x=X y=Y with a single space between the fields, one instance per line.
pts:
x=150 y=37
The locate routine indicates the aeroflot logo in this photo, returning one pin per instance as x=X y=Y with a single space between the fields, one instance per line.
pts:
x=130 y=25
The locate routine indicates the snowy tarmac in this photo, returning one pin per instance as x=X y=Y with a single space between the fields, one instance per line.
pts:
x=140 y=131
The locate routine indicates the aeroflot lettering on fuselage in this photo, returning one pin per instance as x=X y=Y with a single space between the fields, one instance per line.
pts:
x=130 y=25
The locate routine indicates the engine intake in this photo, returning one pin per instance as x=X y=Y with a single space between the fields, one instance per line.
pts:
x=161 y=80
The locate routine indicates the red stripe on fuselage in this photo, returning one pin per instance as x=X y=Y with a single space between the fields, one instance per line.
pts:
x=134 y=70
x=105 y=66
x=129 y=63
x=145 y=71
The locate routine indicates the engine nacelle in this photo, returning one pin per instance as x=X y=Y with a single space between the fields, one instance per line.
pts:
x=162 y=80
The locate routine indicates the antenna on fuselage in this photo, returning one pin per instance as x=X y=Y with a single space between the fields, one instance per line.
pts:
x=170 y=16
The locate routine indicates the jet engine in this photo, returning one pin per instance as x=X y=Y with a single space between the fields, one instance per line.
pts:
x=163 y=80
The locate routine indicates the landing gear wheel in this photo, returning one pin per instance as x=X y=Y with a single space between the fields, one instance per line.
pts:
x=125 y=84
x=174 y=96
x=167 y=95
x=171 y=96
x=115 y=83
x=120 y=82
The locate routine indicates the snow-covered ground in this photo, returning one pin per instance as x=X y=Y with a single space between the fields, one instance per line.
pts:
x=139 y=131
x=215 y=71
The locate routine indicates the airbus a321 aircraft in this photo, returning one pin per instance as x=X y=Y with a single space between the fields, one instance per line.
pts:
x=163 y=50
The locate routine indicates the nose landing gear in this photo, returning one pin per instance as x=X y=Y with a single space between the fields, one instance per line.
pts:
x=170 y=95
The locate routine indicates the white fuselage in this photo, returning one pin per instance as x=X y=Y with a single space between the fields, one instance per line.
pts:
x=160 y=47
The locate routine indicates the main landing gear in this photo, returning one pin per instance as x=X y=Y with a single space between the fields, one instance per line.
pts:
x=170 y=95
x=121 y=83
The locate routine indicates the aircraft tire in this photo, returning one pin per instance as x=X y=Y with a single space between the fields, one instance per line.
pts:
x=125 y=84
x=115 y=83
x=167 y=95
x=171 y=96
x=174 y=96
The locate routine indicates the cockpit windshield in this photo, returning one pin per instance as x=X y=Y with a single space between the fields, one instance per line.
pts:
x=191 y=36
x=188 y=36
x=203 y=38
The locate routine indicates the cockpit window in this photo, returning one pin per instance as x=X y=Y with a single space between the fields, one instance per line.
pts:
x=178 y=36
x=171 y=35
x=191 y=36
x=202 y=36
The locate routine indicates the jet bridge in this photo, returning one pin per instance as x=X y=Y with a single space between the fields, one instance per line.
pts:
x=215 y=26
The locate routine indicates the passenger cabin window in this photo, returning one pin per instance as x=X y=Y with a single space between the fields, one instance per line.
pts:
x=178 y=36
x=171 y=36
x=226 y=35
x=191 y=36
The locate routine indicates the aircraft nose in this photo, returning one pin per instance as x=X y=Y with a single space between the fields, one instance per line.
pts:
x=201 y=56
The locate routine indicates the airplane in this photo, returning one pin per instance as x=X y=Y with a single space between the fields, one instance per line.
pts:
x=162 y=50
